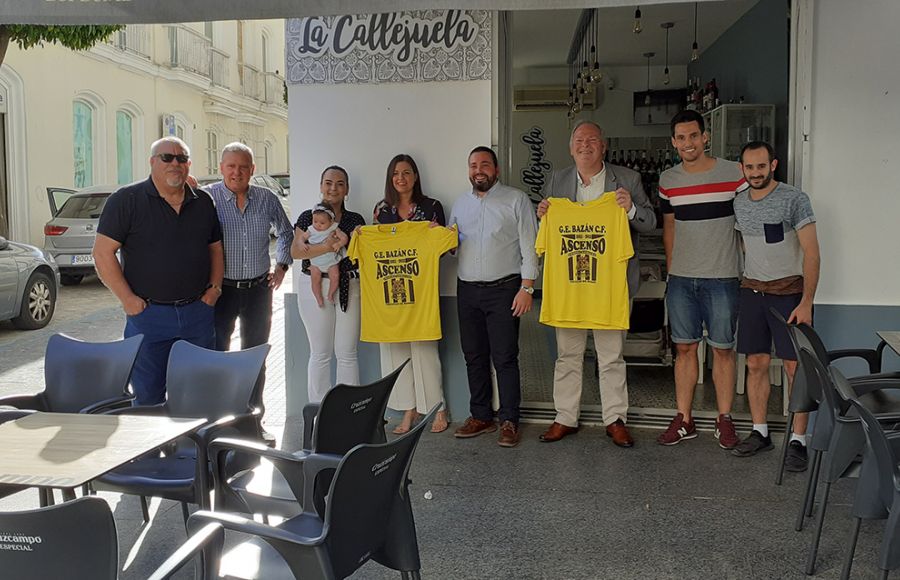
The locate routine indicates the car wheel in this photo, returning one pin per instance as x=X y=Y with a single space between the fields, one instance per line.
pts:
x=38 y=303
x=71 y=279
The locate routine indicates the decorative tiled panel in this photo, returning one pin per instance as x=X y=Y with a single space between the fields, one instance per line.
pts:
x=396 y=47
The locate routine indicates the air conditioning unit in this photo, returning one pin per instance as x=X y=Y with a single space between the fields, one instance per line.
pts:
x=168 y=125
x=548 y=98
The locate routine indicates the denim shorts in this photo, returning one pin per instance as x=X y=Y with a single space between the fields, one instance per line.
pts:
x=693 y=303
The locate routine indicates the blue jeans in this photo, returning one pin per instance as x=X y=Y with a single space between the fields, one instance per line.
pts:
x=161 y=327
x=693 y=303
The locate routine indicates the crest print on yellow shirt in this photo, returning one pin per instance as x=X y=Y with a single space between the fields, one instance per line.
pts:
x=586 y=248
x=398 y=270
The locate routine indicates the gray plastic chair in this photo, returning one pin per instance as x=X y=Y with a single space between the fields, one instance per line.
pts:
x=347 y=416
x=82 y=377
x=841 y=457
x=805 y=337
x=805 y=398
x=369 y=485
x=878 y=490
x=200 y=383
x=51 y=543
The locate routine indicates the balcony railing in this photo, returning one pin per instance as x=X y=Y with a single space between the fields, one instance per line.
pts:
x=251 y=82
x=189 y=50
x=134 y=38
x=219 y=67
x=274 y=89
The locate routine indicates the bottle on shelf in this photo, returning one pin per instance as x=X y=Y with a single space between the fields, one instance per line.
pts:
x=614 y=158
x=667 y=164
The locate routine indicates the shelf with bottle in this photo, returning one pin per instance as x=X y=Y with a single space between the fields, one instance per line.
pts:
x=649 y=161
x=702 y=97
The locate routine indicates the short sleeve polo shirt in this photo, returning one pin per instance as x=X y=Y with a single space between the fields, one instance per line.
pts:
x=165 y=255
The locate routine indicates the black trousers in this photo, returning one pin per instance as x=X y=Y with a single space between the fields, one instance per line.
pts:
x=253 y=306
x=490 y=333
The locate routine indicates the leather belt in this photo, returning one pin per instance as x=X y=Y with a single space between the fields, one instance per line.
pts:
x=246 y=284
x=182 y=302
x=494 y=283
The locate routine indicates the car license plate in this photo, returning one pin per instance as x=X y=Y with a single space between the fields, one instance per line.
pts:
x=83 y=259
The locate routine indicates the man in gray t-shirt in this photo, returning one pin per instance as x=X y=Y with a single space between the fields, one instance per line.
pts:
x=781 y=271
x=696 y=198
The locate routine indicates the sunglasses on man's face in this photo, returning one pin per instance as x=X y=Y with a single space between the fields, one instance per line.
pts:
x=169 y=157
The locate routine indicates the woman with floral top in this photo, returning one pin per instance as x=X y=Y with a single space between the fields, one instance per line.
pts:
x=419 y=386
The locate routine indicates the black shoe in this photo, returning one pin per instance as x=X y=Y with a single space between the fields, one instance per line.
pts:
x=752 y=445
x=795 y=460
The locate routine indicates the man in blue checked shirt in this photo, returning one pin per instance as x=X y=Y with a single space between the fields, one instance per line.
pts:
x=247 y=213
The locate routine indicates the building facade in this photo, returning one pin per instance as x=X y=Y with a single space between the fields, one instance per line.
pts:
x=75 y=119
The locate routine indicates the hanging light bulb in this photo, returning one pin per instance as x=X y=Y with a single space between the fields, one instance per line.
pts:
x=595 y=76
x=668 y=26
x=648 y=56
x=637 y=21
x=695 y=48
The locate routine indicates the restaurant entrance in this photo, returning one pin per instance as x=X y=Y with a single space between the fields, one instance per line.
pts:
x=635 y=82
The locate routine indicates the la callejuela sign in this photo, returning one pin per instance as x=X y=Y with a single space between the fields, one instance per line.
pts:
x=398 y=34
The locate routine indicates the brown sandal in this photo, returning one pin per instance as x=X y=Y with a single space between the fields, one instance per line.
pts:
x=409 y=419
x=441 y=422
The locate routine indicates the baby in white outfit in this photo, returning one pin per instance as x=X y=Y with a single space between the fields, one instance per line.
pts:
x=324 y=232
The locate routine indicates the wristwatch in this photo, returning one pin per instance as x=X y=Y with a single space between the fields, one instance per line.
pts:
x=528 y=290
x=284 y=267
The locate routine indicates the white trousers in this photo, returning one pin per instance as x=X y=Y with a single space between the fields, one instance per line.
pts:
x=567 y=376
x=329 y=331
x=419 y=385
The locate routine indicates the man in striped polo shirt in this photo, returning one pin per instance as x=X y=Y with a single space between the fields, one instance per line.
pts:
x=701 y=246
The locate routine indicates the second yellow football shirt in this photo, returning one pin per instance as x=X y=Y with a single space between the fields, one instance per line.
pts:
x=398 y=271
x=586 y=247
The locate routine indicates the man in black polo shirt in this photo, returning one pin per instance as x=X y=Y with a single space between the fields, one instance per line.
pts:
x=172 y=263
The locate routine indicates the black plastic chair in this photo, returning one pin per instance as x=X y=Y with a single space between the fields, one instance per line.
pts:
x=82 y=377
x=804 y=398
x=347 y=416
x=841 y=457
x=805 y=337
x=368 y=487
x=51 y=542
x=200 y=383
x=878 y=490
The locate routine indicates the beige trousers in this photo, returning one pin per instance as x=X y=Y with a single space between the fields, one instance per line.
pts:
x=567 y=375
x=419 y=385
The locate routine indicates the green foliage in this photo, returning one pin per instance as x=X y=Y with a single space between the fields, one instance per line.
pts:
x=73 y=37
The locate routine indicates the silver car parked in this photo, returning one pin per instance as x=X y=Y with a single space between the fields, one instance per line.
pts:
x=28 y=285
x=69 y=236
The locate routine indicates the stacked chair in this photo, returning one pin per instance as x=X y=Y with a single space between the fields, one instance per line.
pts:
x=878 y=491
x=805 y=398
x=838 y=439
x=360 y=521
x=347 y=416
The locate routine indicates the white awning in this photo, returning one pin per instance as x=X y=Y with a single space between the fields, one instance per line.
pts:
x=163 y=11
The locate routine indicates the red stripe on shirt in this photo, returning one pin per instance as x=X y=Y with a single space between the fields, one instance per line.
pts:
x=722 y=186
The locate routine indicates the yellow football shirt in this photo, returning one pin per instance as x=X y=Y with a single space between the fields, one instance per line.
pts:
x=586 y=247
x=398 y=271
